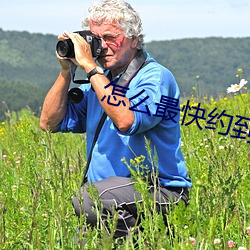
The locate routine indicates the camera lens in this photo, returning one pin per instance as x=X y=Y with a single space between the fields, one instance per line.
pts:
x=65 y=48
x=75 y=95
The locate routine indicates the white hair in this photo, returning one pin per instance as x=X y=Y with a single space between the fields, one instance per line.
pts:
x=120 y=13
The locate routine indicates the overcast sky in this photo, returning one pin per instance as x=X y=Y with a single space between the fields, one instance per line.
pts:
x=162 y=19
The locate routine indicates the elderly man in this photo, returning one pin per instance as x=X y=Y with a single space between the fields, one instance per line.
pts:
x=140 y=98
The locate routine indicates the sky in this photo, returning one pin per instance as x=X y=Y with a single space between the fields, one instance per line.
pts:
x=162 y=19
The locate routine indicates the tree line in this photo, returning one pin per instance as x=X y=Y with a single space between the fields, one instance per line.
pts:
x=202 y=67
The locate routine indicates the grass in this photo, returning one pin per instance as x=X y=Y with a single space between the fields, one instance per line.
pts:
x=40 y=172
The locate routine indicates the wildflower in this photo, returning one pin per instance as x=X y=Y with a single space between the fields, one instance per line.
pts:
x=221 y=147
x=192 y=240
x=45 y=216
x=248 y=230
x=132 y=162
x=230 y=244
x=123 y=160
x=14 y=188
x=237 y=87
x=240 y=70
x=137 y=159
x=242 y=248
x=198 y=182
x=216 y=241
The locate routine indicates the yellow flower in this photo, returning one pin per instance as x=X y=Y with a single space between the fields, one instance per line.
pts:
x=240 y=70
x=138 y=160
x=132 y=162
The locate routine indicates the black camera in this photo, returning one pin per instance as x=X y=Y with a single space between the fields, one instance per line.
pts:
x=65 y=48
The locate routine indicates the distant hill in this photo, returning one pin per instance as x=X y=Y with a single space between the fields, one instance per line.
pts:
x=28 y=66
x=210 y=64
x=28 y=58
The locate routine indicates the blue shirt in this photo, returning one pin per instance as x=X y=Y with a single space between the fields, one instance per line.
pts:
x=145 y=91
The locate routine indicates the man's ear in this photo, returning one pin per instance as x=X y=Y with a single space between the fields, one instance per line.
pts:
x=134 y=42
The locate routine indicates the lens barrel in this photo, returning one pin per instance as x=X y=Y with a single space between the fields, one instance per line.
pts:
x=75 y=95
x=65 y=48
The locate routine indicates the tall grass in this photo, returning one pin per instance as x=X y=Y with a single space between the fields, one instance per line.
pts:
x=40 y=172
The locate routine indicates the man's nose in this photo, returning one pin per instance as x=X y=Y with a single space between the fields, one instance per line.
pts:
x=104 y=44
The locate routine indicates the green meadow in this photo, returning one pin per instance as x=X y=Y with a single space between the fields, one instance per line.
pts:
x=40 y=172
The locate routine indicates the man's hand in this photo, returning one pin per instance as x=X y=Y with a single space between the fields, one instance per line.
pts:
x=66 y=63
x=83 y=54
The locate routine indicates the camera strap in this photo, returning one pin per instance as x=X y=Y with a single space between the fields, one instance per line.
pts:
x=136 y=64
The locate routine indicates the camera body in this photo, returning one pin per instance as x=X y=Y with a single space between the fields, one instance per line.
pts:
x=65 y=48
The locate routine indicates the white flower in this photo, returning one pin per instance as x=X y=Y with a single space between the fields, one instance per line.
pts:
x=22 y=210
x=248 y=230
x=236 y=87
x=192 y=240
x=217 y=241
x=242 y=248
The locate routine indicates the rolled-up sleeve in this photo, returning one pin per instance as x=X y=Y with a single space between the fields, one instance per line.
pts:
x=75 y=117
x=145 y=93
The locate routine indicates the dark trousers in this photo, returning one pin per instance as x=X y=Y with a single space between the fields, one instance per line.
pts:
x=119 y=194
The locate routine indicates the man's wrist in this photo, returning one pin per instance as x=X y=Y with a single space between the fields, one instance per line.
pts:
x=65 y=73
x=96 y=70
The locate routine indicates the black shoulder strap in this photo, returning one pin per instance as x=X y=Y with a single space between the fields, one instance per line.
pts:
x=136 y=64
x=97 y=132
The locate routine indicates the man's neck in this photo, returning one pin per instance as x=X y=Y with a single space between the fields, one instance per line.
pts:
x=117 y=71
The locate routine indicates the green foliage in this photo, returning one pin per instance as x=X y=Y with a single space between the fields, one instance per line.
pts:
x=14 y=95
x=40 y=172
x=36 y=184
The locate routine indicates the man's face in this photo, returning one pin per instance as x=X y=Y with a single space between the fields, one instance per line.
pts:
x=118 y=50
